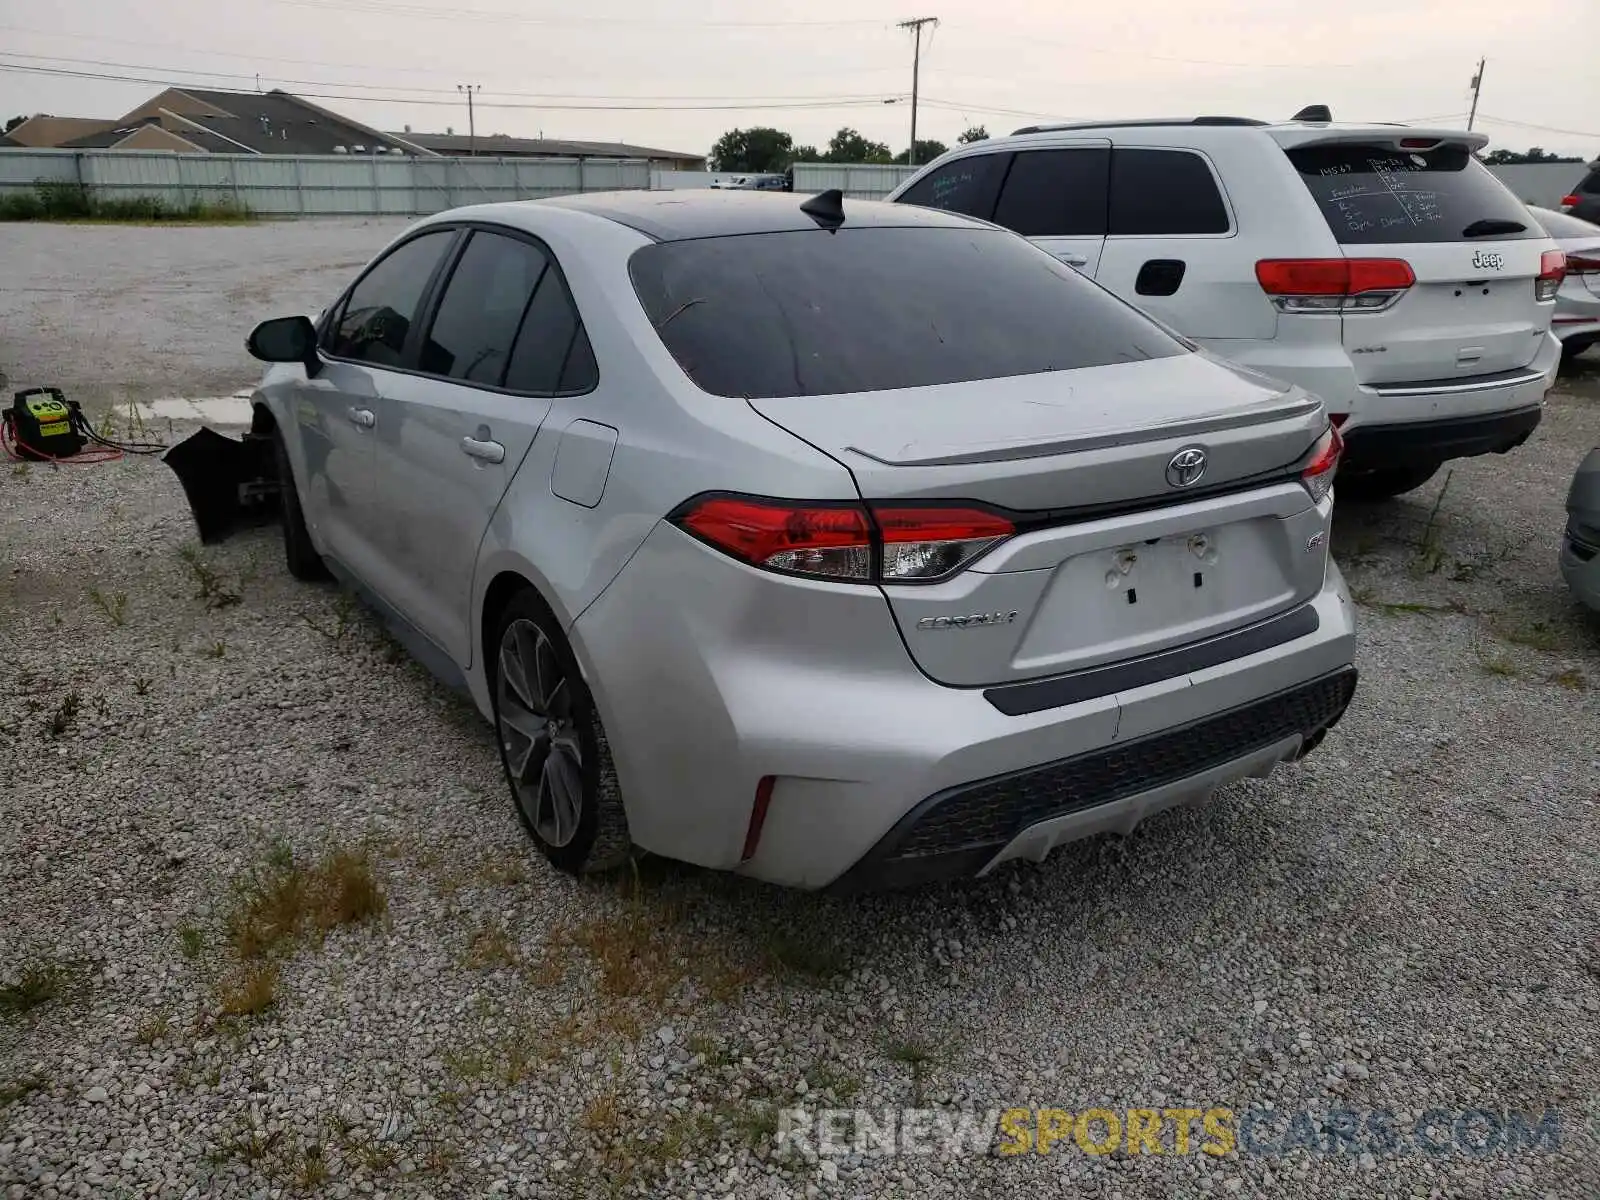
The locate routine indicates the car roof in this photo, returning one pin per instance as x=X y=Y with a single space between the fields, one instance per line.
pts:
x=672 y=216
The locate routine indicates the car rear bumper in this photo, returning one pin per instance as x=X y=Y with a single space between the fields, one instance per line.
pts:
x=1580 y=567
x=736 y=682
x=1374 y=447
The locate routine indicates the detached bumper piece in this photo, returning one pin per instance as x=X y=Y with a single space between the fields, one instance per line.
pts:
x=1375 y=447
x=228 y=483
x=954 y=833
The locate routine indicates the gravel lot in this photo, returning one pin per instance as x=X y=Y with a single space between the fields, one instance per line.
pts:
x=1408 y=921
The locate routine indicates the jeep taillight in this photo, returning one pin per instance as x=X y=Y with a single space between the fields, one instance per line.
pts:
x=851 y=543
x=1322 y=464
x=1334 y=285
x=1552 y=270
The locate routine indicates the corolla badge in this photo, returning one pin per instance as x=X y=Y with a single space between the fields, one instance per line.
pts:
x=1488 y=260
x=1187 y=467
x=974 y=621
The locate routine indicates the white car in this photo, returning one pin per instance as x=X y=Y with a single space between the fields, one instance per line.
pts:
x=1577 y=319
x=1381 y=267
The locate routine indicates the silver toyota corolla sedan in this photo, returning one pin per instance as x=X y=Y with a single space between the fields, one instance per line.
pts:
x=833 y=543
x=1577 y=316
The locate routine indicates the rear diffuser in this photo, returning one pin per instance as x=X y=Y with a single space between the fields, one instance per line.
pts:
x=229 y=484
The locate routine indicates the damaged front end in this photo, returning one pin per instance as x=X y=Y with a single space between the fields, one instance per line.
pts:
x=229 y=484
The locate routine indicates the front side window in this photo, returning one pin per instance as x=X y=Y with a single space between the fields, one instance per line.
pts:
x=966 y=185
x=483 y=303
x=377 y=316
x=812 y=313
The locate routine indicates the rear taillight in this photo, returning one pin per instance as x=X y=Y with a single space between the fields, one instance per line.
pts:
x=1578 y=264
x=1322 y=464
x=890 y=543
x=1569 y=202
x=1324 y=285
x=1552 y=270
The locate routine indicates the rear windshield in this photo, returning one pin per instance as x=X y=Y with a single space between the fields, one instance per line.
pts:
x=817 y=314
x=1377 y=194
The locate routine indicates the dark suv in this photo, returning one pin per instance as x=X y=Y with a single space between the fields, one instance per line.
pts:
x=1584 y=202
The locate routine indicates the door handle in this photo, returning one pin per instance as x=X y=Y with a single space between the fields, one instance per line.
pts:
x=484 y=451
x=362 y=417
x=1074 y=260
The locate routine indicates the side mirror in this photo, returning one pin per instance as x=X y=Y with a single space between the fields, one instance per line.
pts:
x=285 y=340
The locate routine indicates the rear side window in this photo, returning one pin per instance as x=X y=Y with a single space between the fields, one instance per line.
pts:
x=483 y=303
x=1055 y=193
x=377 y=316
x=876 y=309
x=1591 y=184
x=967 y=186
x=1377 y=195
x=1158 y=193
x=552 y=351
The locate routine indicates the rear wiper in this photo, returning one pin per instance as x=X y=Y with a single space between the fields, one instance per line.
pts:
x=1491 y=226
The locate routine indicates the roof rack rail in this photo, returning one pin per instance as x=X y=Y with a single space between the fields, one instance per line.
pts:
x=1143 y=123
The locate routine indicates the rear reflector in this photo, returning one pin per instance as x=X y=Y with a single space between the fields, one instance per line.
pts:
x=1334 y=284
x=758 y=818
x=893 y=543
x=1323 y=462
x=1552 y=270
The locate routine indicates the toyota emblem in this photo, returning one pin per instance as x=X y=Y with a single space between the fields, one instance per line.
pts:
x=1187 y=467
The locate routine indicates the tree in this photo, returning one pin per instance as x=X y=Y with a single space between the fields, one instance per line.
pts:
x=12 y=124
x=760 y=150
x=1537 y=154
x=975 y=134
x=806 y=154
x=927 y=151
x=848 y=146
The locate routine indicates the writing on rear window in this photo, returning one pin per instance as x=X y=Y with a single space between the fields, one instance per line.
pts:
x=1371 y=194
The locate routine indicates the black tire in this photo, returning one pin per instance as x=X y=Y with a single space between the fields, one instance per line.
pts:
x=302 y=557
x=1571 y=349
x=1366 y=487
x=597 y=840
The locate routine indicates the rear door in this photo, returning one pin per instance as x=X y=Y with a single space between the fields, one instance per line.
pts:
x=504 y=339
x=1474 y=249
x=1172 y=247
x=1058 y=197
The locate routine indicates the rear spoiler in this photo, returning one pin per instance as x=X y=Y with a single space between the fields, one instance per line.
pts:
x=1401 y=137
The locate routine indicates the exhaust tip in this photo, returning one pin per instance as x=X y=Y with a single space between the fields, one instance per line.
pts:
x=1310 y=744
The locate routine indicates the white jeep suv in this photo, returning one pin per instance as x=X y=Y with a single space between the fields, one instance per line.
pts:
x=1381 y=267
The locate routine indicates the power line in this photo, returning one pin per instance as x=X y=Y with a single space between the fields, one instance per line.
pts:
x=500 y=15
x=440 y=91
x=420 y=101
x=1588 y=133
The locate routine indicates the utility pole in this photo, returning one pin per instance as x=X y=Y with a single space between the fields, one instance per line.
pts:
x=472 y=125
x=1477 y=86
x=915 y=25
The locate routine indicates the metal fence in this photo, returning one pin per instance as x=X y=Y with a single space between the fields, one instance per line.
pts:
x=317 y=185
x=1534 y=183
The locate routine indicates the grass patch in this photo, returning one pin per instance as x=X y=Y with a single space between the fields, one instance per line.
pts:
x=152 y=1029
x=64 y=716
x=1572 y=679
x=114 y=605
x=811 y=955
x=37 y=985
x=63 y=200
x=19 y=1089
x=250 y=991
x=834 y=1080
x=191 y=941
x=491 y=948
x=1498 y=664
x=1536 y=635
x=210 y=589
x=919 y=1054
x=283 y=900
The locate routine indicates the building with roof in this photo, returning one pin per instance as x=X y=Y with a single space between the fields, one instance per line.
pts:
x=203 y=120
x=499 y=145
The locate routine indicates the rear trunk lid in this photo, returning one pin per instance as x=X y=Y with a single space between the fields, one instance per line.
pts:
x=1475 y=252
x=1113 y=559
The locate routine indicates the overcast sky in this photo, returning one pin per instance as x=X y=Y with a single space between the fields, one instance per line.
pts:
x=1000 y=63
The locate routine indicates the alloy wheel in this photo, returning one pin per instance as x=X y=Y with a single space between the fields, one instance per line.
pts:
x=538 y=732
